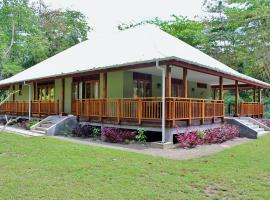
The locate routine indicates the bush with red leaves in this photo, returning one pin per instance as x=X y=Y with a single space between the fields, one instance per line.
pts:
x=209 y=136
x=117 y=135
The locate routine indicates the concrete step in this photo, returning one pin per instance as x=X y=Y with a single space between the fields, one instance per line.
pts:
x=261 y=133
x=37 y=131
x=46 y=125
x=41 y=129
x=258 y=129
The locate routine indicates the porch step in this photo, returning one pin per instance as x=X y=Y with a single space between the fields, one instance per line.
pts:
x=38 y=131
x=55 y=124
x=253 y=125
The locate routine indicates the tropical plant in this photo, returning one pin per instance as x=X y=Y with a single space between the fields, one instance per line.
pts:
x=141 y=137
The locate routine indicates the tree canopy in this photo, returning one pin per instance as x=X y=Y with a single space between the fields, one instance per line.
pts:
x=31 y=33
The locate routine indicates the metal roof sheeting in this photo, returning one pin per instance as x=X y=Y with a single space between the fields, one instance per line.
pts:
x=133 y=46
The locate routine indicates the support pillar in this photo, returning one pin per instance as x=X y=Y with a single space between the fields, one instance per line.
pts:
x=259 y=95
x=236 y=111
x=254 y=94
x=221 y=91
x=185 y=83
x=168 y=81
x=63 y=96
x=104 y=85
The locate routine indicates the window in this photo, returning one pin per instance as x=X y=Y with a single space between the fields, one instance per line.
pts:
x=45 y=92
x=91 y=89
x=142 y=85
x=201 y=85
x=176 y=88
x=75 y=91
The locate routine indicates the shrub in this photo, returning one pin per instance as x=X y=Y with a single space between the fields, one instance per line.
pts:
x=95 y=132
x=117 y=135
x=266 y=122
x=209 y=136
x=140 y=137
x=82 y=130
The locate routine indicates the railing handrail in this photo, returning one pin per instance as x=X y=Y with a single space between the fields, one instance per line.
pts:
x=150 y=98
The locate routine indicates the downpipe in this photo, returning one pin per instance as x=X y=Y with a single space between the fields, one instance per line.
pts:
x=163 y=99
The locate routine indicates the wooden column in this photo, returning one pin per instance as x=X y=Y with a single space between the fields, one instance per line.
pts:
x=259 y=95
x=221 y=92
x=254 y=94
x=63 y=95
x=236 y=112
x=13 y=96
x=35 y=90
x=168 y=81
x=214 y=93
x=185 y=83
x=104 y=85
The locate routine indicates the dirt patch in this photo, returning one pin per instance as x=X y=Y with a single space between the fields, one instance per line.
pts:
x=217 y=191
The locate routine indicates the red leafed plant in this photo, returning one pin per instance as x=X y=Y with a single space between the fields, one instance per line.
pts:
x=209 y=136
x=117 y=135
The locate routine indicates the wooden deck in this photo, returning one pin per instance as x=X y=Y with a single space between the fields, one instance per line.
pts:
x=141 y=110
x=39 y=108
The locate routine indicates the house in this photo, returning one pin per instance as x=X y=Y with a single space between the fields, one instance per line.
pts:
x=137 y=77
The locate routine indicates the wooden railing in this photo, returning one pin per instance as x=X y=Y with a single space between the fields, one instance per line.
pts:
x=251 y=109
x=37 y=107
x=142 y=109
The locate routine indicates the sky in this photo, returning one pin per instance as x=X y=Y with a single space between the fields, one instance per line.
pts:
x=105 y=15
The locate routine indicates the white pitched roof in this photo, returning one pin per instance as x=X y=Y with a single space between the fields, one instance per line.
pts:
x=137 y=45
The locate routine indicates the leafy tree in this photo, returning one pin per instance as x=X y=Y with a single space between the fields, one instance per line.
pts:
x=30 y=34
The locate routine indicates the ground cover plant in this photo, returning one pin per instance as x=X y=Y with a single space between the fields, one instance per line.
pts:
x=266 y=122
x=208 y=136
x=47 y=168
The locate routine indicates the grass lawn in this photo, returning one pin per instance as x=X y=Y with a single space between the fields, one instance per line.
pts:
x=46 y=168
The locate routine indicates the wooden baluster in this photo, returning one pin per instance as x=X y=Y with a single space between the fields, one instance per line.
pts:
x=101 y=105
x=49 y=109
x=203 y=112
x=77 y=107
x=139 y=111
x=189 y=112
x=214 y=111
x=39 y=108
x=118 y=110
x=173 y=113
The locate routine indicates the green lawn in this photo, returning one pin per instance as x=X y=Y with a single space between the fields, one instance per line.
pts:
x=46 y=168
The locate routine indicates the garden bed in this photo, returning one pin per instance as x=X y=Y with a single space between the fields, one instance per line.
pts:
x=266 y=122
x=112 y=135
x=209 y=136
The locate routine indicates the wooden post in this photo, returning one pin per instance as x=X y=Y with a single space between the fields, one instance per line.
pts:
x=63 y=95
x=259 y=95
x=189 y=112
x=214 y=93
x=173 y=113
x=221 y=88
x=254 y=94
x=203 y=106
x=105 y=85
x=185 y=83
x=168 y=81
x=139 y=111
x=77 y=107
x=13 y=96
x=214 y=111
x=118 y=110
x=236 y=112
x=102 y=105
x=39 y=108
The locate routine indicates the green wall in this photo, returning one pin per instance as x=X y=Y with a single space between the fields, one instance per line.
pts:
x=24 y=94
x=58 y=92
x=68 y=94
x=115 y=84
